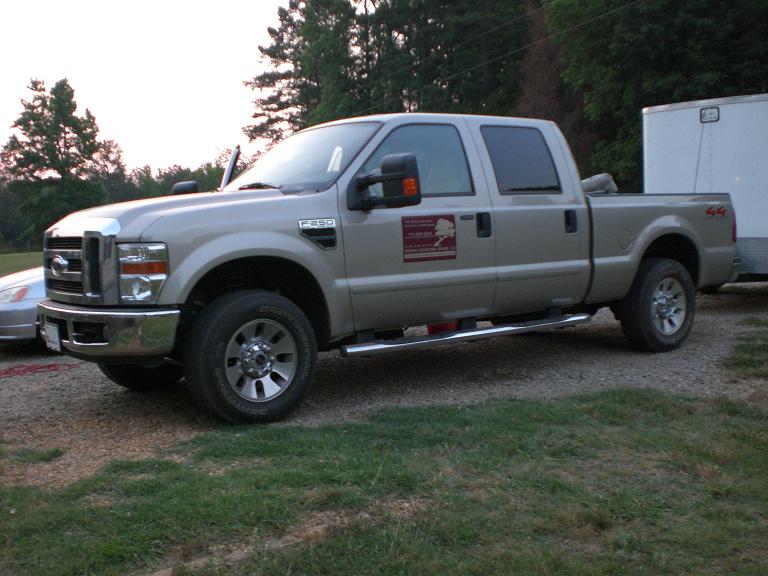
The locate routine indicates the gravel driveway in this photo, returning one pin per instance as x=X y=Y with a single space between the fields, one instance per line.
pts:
x=50 y=401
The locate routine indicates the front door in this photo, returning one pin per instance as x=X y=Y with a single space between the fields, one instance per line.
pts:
x=425 y=263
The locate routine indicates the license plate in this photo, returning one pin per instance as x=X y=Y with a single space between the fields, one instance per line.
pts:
x=52 y=339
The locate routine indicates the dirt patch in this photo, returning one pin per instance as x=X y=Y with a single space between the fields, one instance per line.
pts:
x=315 y=526
x=90 y=419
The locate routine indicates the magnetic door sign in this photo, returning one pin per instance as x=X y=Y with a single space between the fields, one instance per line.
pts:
x=429 y=238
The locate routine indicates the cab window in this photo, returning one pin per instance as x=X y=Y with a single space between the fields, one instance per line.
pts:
x=521 y=160
x=443 y=168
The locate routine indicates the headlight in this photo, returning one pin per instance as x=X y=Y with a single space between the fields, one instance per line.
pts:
x=15 y=294
x=143 y=271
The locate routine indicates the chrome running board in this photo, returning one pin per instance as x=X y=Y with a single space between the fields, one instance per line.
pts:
x=414 y=343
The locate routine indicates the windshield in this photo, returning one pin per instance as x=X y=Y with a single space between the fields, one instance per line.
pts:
x=309 y=160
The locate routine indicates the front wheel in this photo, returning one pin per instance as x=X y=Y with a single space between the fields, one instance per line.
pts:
x=250 y=357
x=658 y=312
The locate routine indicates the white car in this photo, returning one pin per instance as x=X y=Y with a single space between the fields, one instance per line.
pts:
x=19 y=294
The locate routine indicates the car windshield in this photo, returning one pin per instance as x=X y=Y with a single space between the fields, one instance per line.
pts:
x=309 y=160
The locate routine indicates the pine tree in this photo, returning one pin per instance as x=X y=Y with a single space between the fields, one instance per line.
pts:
x=50 y=137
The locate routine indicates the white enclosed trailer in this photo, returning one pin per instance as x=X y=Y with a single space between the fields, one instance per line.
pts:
x=718 y=145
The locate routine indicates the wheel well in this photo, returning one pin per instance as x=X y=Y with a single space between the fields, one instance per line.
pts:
x=264 y=273
x=676 y=247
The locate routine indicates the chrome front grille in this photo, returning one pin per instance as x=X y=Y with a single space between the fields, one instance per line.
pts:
x=68 y=286
x=81 y=269
x=64 y=243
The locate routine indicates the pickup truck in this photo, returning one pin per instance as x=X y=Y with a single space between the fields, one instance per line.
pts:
x=345 y=234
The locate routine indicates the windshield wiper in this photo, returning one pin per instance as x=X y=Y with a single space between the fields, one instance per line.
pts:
x=260 y=186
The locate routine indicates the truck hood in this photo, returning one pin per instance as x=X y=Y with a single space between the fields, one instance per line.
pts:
x=136 y=216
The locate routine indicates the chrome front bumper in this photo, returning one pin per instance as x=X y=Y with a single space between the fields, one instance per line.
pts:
x=111 y=332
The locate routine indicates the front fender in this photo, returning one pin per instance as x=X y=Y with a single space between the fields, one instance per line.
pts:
x=326 y=267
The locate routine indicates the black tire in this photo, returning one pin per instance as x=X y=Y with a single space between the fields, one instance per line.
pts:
x=659 y=324
x=250 y=357
x=142 y=378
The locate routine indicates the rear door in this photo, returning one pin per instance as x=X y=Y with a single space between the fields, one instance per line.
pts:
x=542 y=225
x=434 y=261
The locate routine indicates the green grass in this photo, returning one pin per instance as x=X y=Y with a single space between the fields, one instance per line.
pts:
x=618 y=482
x=10 y=263
x=750 y=357
x=33 y=456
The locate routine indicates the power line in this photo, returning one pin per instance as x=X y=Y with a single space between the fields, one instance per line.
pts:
x=463 y=42
x=506 y=54
x=477 y=37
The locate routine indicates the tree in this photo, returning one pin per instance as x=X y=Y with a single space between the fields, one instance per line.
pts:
x=310 y=68
x=450 y=55
x=629 y=56
x=330 y=59
x=52 y=157
x=50 y=137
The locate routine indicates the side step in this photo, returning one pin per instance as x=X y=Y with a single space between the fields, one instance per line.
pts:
x=417 y=342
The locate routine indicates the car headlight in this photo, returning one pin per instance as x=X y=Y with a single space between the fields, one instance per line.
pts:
x=15 y=294
x=143 y=271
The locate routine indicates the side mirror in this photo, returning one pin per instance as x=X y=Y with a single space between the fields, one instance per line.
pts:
x=188 y=187
x=399 y=180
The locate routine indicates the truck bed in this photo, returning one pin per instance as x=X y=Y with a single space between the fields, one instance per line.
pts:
x=623 y=226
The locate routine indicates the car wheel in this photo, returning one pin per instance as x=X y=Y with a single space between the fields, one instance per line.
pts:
x=142 y=378
x=658 y=312
x=250 y=357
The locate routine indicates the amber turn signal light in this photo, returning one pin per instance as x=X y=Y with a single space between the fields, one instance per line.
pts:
x=144 y=267
x=410 y=187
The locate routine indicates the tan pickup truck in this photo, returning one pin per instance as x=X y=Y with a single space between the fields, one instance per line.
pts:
x=345 y=234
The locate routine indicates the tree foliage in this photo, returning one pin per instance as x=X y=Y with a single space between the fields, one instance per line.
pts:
x=330 y=59
x=50 y=137
x=655 y=52
x=54 y=164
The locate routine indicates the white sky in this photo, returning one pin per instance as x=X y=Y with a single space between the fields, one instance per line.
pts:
x=163 y=78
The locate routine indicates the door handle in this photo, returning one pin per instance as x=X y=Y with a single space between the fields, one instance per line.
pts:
x=483 y=224
x=571 y=222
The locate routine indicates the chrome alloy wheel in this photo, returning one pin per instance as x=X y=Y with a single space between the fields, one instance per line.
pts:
x=261 y=360
x=669 y=306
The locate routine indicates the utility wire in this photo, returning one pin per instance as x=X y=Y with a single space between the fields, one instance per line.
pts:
x=463 y=42
x=505 y=54
x=473 y=38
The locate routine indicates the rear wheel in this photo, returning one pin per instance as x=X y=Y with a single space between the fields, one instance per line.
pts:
x=250 y=357
x=142 y=378
x=658 y=312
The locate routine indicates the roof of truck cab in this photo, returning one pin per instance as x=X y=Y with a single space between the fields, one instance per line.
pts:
x=416 y=116
x=708 y=102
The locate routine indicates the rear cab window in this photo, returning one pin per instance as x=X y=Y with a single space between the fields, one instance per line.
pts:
x=522 y=162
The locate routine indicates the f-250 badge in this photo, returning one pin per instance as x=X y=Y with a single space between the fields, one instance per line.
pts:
x=429 y=238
